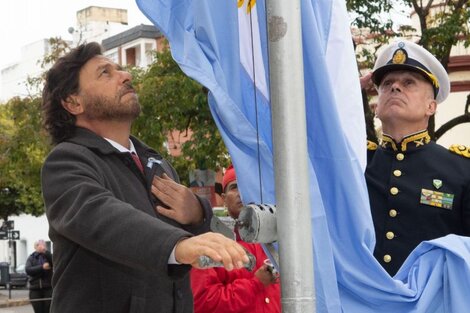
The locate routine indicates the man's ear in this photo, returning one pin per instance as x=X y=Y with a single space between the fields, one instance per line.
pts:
x=72 y=105
x=431 y=108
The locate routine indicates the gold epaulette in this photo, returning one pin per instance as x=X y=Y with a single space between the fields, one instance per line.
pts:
x=460 y=150
x=371 y=145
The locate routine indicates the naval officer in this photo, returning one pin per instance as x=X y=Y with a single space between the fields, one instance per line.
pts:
x=418 y=189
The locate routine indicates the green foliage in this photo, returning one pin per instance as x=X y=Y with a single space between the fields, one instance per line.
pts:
x=442 y=25
x=9 y=203
x=446 y=28
x=370 y=14
x=24 y=146
x=171 y=101
x=374 y=25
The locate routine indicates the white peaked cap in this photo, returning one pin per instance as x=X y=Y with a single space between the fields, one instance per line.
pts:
x=406 y=55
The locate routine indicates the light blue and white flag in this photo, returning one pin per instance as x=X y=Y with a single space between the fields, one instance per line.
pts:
x=223 y=45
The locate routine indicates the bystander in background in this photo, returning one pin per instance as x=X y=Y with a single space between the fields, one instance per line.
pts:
x=39 y=269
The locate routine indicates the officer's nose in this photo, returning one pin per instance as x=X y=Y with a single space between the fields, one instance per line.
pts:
x=395 y=87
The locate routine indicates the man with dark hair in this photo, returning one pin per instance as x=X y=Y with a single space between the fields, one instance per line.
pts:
x=122 y=226
x=418 y=190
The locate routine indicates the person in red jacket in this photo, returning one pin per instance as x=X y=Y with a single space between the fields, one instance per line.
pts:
x=240 y=291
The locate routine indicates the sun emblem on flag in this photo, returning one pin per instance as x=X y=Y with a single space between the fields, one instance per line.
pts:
x=250 y=4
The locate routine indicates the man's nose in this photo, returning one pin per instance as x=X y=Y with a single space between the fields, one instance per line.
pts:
x=395 y=87
x=125 y=76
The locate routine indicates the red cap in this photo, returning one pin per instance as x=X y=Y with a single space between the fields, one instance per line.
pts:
x=229 y=177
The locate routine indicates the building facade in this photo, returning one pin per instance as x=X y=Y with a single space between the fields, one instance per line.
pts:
x=135 y=46
x=14 y=76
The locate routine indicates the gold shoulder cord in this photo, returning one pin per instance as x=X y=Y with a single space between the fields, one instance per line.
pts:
x=460 y=150
x=371 y=145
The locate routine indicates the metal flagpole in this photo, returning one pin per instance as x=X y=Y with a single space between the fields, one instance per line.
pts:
x=290 y=155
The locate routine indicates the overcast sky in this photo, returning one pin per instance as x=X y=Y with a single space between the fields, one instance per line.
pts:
x=26 y=21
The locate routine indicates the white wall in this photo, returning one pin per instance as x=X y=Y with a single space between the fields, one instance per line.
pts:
x=453 y=107
x=14 y=76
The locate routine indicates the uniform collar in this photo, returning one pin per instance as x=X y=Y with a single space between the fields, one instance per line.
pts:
x=410 y=142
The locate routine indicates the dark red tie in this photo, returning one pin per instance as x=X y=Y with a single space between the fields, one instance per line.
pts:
x=137 y=161
x=237 y=233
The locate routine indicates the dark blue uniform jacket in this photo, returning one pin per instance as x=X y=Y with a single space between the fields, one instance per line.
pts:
x=418 y=191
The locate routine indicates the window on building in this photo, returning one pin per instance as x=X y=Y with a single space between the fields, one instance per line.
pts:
x=131 y=57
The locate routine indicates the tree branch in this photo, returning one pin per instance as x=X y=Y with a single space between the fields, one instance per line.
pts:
x=460 y=4
x=464 y=118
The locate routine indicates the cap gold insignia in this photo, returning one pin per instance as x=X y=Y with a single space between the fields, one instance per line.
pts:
x=399 y=57
x=437 y=183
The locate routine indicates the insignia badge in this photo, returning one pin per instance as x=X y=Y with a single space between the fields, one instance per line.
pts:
x=419 y=142
x=399 y=56
x=437 y=183
x=437 y=199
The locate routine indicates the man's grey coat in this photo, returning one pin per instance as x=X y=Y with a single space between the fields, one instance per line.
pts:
x=111 y=247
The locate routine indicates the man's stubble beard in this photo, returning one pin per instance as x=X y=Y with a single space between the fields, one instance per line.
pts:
x=117 y=109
